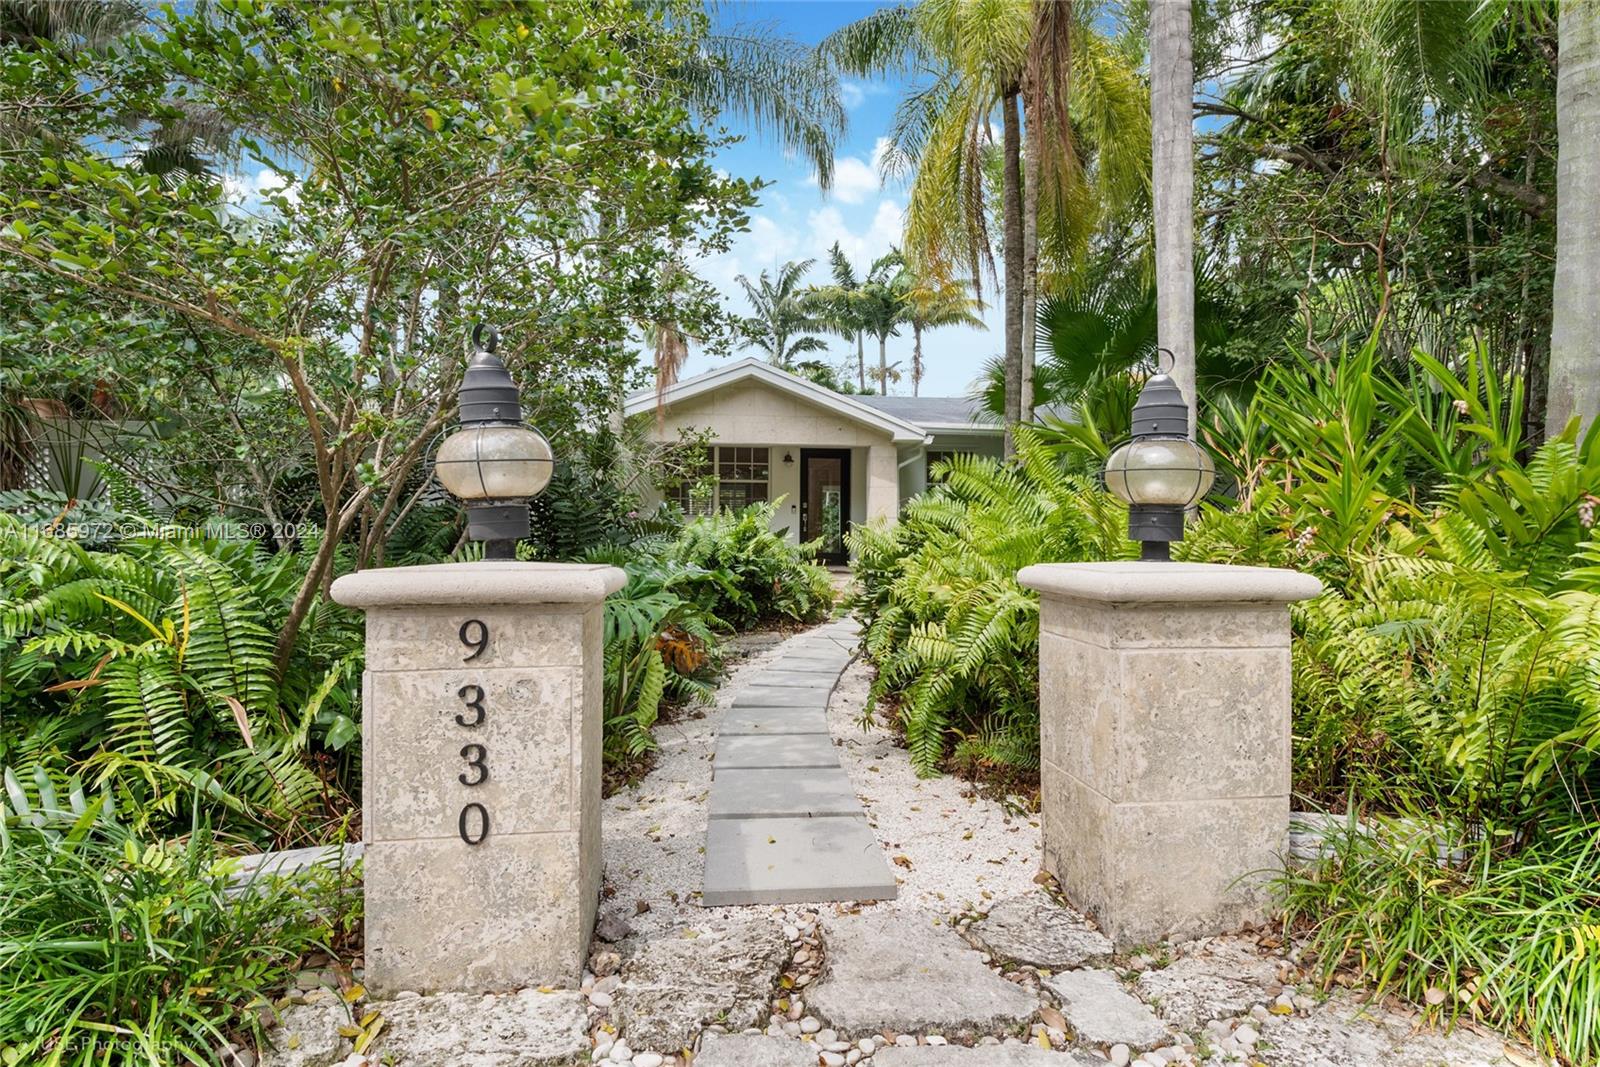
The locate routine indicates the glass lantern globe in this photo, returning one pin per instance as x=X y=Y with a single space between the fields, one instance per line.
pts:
x=494 y=463
x=1160 y=471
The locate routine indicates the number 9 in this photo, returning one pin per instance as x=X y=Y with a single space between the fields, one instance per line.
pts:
x=475 y=635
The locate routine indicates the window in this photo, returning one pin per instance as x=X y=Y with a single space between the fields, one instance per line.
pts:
x=730 y=477
x=940 y=457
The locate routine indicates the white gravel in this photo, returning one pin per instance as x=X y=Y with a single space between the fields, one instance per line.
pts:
x=966 y=852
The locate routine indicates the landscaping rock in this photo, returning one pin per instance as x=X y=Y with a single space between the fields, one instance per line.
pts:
x=988 y=1056
x=898 y=971
x=1350 y=1032
x=1224 y=980
x=749 y=1050
x=1035 y=930
x=522 y=1029
x=673 y=986
x=307 y=1035
x=1102 y=1012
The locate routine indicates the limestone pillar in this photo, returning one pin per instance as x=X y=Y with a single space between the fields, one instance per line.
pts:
x=1164 y=731
x=481 y=720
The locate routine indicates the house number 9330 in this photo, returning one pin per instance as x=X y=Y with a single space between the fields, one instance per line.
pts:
x=473 y=822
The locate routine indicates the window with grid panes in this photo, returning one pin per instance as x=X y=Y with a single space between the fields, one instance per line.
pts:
x=742 y=476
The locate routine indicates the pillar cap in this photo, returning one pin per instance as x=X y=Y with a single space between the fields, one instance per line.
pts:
x=484 y=582
x=1129 y=582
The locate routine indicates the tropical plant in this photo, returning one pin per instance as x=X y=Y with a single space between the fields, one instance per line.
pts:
x=123 y=950
x=836 y=307
x=660 y=646
x=781 y=324
x=149 y=670
x=954 y=635
x=932 y=303
x=755 y=575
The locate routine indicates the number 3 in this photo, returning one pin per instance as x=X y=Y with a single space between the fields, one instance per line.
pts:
x=475 y=702
x=474 y=755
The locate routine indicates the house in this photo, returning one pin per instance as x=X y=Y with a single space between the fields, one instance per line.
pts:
x=834 y=459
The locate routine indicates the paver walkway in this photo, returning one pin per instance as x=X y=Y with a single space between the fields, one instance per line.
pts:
x=785 y=826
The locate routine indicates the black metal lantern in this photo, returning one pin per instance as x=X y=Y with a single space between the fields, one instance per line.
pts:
x=1160 y=471
x=493 y=463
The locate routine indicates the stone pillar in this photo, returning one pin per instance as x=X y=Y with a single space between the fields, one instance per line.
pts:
x=481 y=725
x=883 y=482
x=1164 y=700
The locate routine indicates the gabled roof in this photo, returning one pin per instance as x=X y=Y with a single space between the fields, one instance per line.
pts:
x=752 y=369
x=942 y=414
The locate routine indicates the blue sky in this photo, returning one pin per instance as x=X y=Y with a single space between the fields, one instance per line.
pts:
x=796 y=220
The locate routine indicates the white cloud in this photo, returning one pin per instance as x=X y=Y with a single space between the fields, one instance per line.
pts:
x=249 y=191
x=852 y=94
x=855 y=179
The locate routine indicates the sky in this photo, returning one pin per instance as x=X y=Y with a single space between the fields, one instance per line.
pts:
x=796 y=220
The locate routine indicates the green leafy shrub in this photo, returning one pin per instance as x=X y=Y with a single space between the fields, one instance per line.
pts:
x=150 y=670
x=750 y=572
x=118 y=950
x=659 y=647
x=955 y=637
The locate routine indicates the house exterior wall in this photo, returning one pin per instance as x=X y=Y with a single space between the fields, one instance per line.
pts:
x=753 y=413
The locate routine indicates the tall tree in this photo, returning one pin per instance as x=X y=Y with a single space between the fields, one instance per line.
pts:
x=1172 y=169
x=837 y=307
x=931 y=303
x=782 y=324
x=1575 y=325
x=883 y=305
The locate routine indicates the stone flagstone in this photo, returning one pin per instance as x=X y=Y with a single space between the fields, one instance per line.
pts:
x=784 y=825
x=1223 y=982
x=773 y=721
x=750 y=1050
x=789 y=679
x=788 y=791
x=982 y=1056
x=888 y=970
x=793 y=861
x=775 y=750
x=671 y=987
x=1035 y=930
x=1102 y=1012
x=769 y=696
x=522 y=1029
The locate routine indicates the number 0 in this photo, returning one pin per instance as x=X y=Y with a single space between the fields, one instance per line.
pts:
x=483 y=824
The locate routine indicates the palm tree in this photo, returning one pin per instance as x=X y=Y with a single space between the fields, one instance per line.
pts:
x=883 y=305
x=782 y=323
x=1574 y=389
x=1172 y=166
x=837 y=307
x=932 y=302
x=981 y=60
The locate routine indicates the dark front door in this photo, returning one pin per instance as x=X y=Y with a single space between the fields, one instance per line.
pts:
x=825 y=500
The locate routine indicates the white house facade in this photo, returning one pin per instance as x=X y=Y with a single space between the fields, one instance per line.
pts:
x=833 y=460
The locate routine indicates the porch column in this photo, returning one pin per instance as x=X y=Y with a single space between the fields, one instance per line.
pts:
x=883 y=482
x=1164 y=703
x=481 y=715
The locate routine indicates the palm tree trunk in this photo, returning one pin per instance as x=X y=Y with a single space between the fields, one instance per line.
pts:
x=883 y=365
x=1030 y=261
x=861 y=359
x=916 y=360
x=1011 y=207
x=1172 y=160
x=1574 y=389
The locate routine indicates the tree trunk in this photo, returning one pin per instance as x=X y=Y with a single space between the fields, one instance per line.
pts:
x=1172 y=160
x=1030 y=259
x=1574 y=389
x=1011 y=207
x=883 y=365
x=916 y=360
x=861 y=359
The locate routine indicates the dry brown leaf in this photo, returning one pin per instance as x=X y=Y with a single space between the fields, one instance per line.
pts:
x=242 y=717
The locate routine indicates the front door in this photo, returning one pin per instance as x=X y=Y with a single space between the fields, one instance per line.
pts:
x=825 y=500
